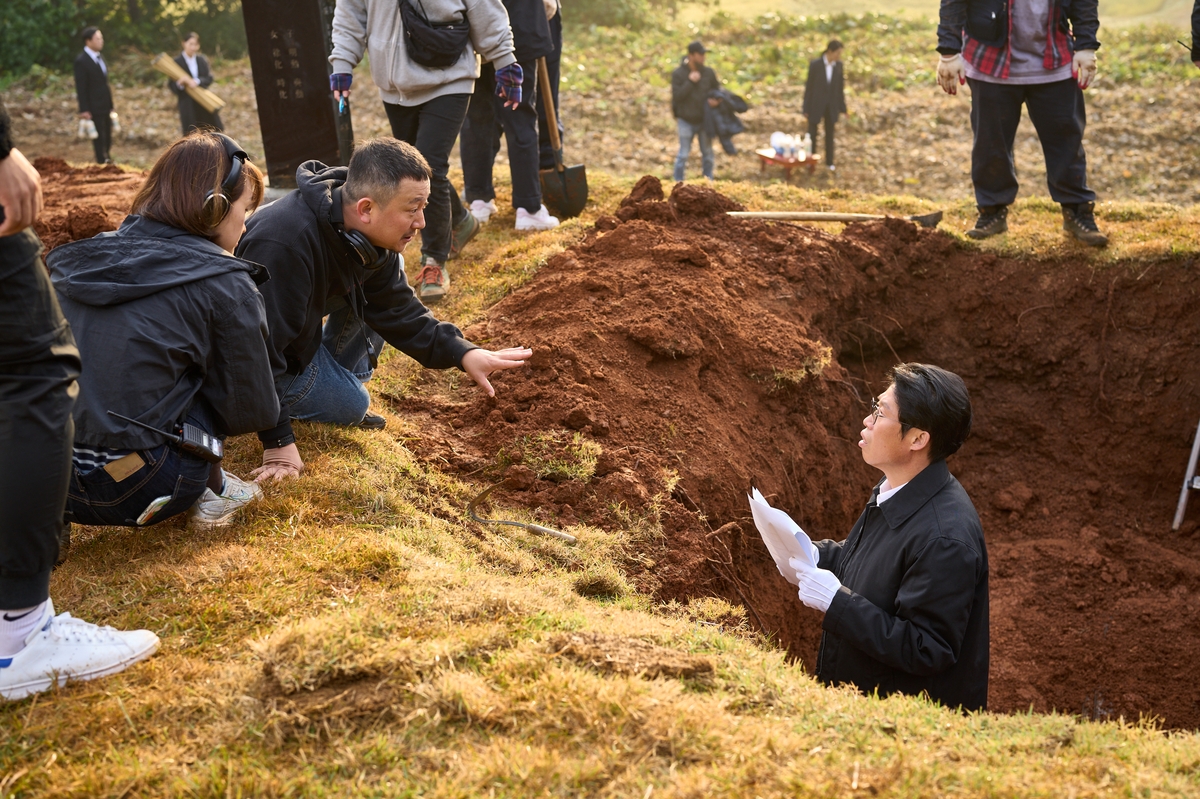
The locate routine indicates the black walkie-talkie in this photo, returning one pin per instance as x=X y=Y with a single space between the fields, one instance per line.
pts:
x=191 y=439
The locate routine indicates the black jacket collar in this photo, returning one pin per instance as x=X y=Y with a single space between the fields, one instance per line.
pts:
x=922 y=488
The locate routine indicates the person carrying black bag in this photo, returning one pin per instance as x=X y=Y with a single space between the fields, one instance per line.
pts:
x=423 y=59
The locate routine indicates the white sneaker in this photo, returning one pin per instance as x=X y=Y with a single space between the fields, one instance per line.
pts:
x=539 y=221
x=63 y=649
x=483 y=210
x=217 y=510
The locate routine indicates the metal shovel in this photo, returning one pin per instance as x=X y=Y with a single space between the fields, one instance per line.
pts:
x=564 y=189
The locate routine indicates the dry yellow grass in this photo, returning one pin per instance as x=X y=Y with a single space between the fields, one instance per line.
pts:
x=356 y=635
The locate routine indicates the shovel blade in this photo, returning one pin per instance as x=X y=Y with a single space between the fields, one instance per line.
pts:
x=565 y=193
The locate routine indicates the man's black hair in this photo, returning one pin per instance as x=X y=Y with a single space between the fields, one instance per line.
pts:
x=833 y=46
x=936 y=401
x=696 y=47
x=88 y=33
x=378 y=166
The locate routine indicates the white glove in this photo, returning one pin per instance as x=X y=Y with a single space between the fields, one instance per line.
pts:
x=1083 y=67
x=551 y=7
x=817 y=588
x=951 y=73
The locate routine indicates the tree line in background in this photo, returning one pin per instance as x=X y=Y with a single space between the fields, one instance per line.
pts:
x=47 y=32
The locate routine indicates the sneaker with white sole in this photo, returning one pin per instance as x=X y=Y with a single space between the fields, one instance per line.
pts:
x=64 y=649
x=539 y=221
x=217 y=510
x=483 y=210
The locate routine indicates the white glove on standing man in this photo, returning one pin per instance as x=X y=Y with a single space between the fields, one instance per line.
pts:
x=951 y=73
x=817 y=586
x=1083 y=67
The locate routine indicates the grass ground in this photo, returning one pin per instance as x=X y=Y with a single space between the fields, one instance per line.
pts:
x=356 y=635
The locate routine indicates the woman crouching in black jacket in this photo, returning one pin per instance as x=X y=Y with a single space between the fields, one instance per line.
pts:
x=172 y=331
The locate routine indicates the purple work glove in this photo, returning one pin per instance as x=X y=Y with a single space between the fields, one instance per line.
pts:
x=508 y=84
x=340 y=82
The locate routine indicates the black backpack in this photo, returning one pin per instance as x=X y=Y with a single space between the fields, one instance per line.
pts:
x=430 y=44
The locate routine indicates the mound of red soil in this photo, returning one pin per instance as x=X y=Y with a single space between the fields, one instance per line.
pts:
x=704 y=354
x=82 y=201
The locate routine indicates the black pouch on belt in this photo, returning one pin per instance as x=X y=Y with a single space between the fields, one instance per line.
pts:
x=433 y=44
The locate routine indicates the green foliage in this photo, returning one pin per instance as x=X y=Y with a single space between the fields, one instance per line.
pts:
x=553 y=456
x=47 y=32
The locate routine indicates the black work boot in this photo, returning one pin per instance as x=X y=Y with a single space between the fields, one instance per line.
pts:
x=992 y=221
x=1079 y=221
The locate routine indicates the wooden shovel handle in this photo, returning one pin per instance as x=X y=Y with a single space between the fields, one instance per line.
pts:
x=548 y=107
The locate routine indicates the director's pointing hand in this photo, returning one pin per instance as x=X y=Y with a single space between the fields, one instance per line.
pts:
x=480 y=363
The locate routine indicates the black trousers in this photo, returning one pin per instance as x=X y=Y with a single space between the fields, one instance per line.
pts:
x=1057 y=112
x=39 y=365
x=553 y=69
x=102 y=144
x=486 y=119
x=830 y=118
x=432 y=128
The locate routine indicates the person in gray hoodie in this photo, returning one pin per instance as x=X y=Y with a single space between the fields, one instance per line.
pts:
x=426 y=105
x=172 y=330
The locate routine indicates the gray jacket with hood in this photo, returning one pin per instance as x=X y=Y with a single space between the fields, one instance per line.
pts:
x=375 y=27
x=163 y=319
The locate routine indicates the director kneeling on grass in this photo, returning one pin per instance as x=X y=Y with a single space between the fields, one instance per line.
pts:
x=333 y=250
x=905 y=596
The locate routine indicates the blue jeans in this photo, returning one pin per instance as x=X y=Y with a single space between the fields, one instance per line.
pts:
x=98 y=497
x=330 y=389
x=687 y=132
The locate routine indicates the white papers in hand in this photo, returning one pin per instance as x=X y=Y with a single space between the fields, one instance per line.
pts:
x=784 y=538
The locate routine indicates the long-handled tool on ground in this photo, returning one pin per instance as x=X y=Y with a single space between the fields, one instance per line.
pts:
x=1191 y=482
x=564 y=188
x=533 y=528
x=925 y=220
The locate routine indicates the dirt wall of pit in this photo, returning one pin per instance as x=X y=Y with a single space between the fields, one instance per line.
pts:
x=704 y=354
x=725 y=353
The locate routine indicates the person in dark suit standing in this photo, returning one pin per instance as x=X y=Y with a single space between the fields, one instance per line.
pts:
x=825 y=95
x=192 y=115
x=91 y=88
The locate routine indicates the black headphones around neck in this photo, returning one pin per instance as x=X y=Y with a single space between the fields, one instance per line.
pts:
x=365 y=253
x=217 y=203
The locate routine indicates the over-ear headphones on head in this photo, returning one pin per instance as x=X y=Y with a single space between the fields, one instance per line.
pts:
x=365 y=253
x=217 y=203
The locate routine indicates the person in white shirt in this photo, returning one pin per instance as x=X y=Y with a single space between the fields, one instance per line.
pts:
x=192 y=115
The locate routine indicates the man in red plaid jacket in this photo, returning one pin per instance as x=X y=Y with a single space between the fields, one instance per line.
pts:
x=1040 y=53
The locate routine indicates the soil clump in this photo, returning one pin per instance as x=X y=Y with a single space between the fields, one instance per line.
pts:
x=82 y=201
x=683 y=356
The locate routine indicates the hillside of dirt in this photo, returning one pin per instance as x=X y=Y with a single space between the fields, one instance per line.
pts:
x=703 y=354
x=683 y=356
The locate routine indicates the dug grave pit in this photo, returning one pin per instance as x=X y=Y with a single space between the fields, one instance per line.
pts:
x=683 y=356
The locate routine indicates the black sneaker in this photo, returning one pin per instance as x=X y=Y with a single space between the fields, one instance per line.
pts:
x=1080 y=222
x=373 y=421
x=992 y=221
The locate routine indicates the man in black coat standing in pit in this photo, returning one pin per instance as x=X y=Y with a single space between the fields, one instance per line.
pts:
x=825 y=95
x=91 y=88
x=905 y=596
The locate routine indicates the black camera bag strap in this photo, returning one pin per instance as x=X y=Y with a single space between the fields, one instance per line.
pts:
x=436 y=45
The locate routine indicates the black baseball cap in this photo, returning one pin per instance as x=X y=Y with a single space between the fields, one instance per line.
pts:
x=696 y=47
